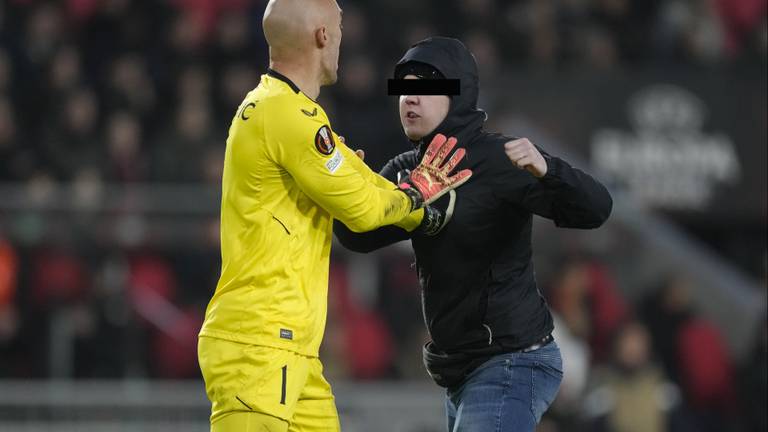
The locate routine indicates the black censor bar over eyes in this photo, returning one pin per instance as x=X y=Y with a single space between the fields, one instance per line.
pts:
x=423 y=87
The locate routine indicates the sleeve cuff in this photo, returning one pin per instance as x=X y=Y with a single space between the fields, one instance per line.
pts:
x=554 y=167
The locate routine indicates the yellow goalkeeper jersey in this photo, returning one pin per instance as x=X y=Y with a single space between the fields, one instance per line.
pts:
x=286 y=176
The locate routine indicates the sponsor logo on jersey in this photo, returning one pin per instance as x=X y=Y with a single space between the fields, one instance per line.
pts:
x=335 y=162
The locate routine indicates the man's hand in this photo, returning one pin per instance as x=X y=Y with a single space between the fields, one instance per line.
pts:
x=429 y=180
x=526 y=156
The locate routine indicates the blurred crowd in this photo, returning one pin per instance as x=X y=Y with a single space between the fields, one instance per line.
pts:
x=654 y=364
x=127 y=91
x=119 y=91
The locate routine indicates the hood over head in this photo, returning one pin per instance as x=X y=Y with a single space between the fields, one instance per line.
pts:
x=454 y=61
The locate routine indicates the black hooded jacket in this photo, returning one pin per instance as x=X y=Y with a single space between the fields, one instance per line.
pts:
x=479 y=289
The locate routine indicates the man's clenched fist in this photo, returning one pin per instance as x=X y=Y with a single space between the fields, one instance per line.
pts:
x=526 y=156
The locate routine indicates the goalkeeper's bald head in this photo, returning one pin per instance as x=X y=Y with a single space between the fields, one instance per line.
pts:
x=304 y=34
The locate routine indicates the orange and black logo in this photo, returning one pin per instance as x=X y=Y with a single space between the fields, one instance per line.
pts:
x=324 y=141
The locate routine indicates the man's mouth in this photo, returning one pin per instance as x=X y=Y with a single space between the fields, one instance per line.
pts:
x=412 y=115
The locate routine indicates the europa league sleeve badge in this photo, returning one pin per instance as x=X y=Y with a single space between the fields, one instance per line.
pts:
x=324 y=141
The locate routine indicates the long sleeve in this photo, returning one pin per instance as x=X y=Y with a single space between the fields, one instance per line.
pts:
x=322 y=167
x=371 y=240
x=568 y=196
x=387 y=235
x=385 y=180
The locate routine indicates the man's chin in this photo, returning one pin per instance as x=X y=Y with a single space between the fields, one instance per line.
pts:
x=413 y=135
x=331 y=79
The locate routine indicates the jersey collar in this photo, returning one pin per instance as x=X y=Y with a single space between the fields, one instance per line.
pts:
x=283 y=78
x=275 y=74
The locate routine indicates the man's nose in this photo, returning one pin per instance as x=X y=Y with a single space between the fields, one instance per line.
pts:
x=411 y=100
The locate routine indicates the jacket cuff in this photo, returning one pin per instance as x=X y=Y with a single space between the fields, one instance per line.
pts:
x=554 y=169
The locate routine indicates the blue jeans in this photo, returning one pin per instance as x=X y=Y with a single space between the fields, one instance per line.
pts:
x=508 y=393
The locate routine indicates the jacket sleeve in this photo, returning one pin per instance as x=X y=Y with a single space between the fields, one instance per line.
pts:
x=568 y=196
x=321 y=167
x=381 y=237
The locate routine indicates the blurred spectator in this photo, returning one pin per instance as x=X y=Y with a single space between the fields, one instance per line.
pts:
x=480 y=11
x=9 y=344
x=44 y=31
x=694 y=354
x=599 y=50
x=151 y=284
x=130 y=86
x=355 y=30
x=665 y=311
x=707 y=374
x=60 y=277
x=65 y=70
x=233 y=38
x=207 y=12
x=179 y=155
x=194 y=85
x=545 y=41
x=6 y=72
x=237 y=79
x=703 y=34
x=87 y=190
x=363 y=338
x=754 y=381
x=8 y=145
x=186 y=37
x=174 y=349
x=486 y=53
x=399 y=299
x=8 y=272
x=72 y=142
x=361 y=87
x=742 y=20
x=9 y=317
x=125 y=159
x=569 y=299
x=587 y=299
x=213 y=165
x=171 y=328
x=629 y=394
x=629 y=23
x=9 y=314
x=576 y=369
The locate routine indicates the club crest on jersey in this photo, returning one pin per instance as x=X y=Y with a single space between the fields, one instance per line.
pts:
x=324 y=141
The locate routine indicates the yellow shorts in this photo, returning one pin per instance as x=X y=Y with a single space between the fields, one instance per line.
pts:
x=257 y=388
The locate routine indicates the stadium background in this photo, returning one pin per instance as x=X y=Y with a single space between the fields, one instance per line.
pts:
x=113 y=118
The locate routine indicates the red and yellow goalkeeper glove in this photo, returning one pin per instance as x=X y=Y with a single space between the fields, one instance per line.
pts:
x=429 y=180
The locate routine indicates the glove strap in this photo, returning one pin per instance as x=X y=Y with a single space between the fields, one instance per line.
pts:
x=432 y=222
x=417 y=200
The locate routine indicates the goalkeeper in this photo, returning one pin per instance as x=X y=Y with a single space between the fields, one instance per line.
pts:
x=286 y=176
